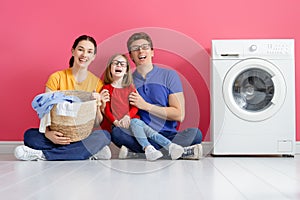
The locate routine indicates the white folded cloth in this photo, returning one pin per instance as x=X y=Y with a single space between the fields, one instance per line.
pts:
x=67 y=109
x=44 y=122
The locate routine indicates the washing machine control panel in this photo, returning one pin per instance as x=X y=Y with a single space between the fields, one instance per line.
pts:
x=253 y=48
x=277 y=48
x=269 y=48
x=263 y=48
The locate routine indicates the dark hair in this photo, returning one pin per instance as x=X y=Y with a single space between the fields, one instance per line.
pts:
x=76 y=42
x=108 y=79
x=139 y=36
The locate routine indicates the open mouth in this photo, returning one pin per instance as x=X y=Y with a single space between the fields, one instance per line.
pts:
x=118 y=70
x=142 y=57
x=83 y=60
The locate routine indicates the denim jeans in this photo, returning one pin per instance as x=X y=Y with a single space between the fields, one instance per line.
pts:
x=80 y=150
x=187 y=137
x=142 y=131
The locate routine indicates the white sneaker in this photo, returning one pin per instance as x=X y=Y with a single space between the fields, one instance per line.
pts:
x=152 y=154
x=103 y=154
x=124 y=153
x=193 y=152
x=26 y=153
x=175 y=151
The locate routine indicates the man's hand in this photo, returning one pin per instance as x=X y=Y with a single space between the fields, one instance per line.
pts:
x=136 y=100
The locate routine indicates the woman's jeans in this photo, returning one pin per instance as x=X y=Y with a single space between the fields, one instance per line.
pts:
x=80 y=150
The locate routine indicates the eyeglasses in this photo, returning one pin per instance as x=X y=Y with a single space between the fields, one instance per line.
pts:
x=138 y=47
x=117 y=62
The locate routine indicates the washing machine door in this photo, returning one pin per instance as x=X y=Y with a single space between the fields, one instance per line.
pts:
x=254 y=89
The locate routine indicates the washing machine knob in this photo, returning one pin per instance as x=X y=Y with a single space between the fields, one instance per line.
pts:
x=253 y=47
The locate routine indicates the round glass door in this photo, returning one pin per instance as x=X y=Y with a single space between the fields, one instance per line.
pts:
x=254 y=89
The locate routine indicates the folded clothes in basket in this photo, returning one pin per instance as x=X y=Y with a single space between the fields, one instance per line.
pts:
x=67 y=109
x=43 y=103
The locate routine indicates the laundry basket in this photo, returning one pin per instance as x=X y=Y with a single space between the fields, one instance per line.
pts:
x=79 y=127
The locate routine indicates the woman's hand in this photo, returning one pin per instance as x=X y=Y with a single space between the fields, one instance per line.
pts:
x=101 y=98
x=57 y=137
x=96 y=95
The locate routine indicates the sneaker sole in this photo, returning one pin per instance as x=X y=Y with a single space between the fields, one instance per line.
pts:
x=105 y=154
x=176 y=154
x=155 y=158
x=197 y=153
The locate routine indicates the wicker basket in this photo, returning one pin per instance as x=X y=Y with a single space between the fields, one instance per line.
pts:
x=79 y=127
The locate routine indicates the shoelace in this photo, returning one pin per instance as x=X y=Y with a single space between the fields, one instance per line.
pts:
x=188 y=152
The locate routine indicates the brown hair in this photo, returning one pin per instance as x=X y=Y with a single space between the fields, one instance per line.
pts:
x=108 y=79
x=139 y=36
x=79 y=39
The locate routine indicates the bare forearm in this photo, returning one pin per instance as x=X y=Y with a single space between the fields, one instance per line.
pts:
x=99 y=117
x=167 y=113
x=175 y=111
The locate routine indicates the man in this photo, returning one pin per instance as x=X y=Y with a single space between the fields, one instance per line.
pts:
x=160 y=100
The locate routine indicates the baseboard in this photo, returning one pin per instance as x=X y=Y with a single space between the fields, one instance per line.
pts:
x=7 y=147
x=297 y=147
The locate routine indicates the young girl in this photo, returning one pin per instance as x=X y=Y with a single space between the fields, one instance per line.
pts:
x=118 y=81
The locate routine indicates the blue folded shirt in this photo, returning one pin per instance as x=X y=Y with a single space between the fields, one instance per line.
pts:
x=43 y=103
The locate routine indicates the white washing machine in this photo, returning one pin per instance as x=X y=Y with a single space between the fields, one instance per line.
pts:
x=253 y=97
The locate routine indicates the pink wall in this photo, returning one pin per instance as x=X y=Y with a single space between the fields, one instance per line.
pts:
x=36 y=37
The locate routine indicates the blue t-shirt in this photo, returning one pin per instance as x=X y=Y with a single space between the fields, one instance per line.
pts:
x=155 y=89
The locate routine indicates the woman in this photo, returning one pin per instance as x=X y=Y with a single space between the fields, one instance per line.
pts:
x=53 y=145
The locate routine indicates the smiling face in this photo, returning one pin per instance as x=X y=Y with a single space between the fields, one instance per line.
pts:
x=141 y=52
x=83 y=54
x=118 y=67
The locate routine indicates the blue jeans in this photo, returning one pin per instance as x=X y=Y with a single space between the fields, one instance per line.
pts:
x=142 y=131
x=187 y=137
x=80 y=150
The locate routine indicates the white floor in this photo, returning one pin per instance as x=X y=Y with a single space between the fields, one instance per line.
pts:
x=227 y=178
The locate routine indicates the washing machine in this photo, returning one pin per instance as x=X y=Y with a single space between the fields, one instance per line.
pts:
x=253 y=97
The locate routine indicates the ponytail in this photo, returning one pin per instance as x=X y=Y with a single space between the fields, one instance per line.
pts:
x=71 y=62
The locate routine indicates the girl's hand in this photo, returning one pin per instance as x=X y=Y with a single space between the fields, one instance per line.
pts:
x=101 y=97
x=104 y=96
x=117 y=123
x=125 y=122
